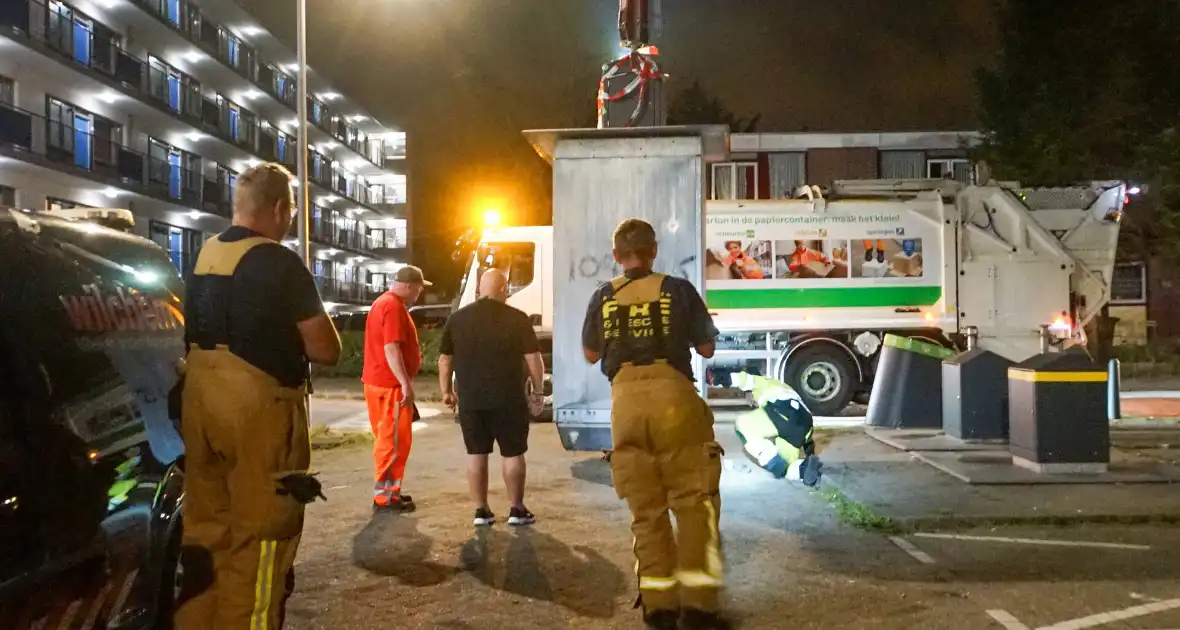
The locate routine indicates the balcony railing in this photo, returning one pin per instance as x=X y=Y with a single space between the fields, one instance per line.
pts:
x=168 y=179
x=217 y=197
x=174 y=90
x=72 y=146
x=335 y=290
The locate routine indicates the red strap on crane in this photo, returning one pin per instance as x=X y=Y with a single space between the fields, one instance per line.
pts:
x=642 y=64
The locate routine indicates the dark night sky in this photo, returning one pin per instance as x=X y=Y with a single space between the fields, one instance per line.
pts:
x=464 y=77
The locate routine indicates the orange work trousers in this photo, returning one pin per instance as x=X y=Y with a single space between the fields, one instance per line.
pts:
x=392 y=424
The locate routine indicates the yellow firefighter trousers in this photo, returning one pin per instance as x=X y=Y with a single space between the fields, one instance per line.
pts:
x=242 y=431
x=666 y=458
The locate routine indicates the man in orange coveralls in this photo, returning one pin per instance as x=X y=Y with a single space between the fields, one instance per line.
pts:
x=392 y=359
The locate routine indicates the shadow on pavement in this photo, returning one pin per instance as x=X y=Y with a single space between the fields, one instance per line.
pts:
x=533 y=564
x=391 y=545
x=595 y=470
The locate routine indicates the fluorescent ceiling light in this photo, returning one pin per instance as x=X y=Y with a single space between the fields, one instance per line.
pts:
x=357 y=117
x=111 y=193
x=194 y=136
x=329 y=96
x=250 y=31
x=195 y=214
x=109 y=96
x=193 y=56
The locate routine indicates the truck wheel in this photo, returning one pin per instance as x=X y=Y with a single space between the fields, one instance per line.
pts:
x=825 y=378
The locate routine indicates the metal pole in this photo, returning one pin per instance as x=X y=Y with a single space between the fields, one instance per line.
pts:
x=304 y=195
x=972 y=337
x=1114 y=407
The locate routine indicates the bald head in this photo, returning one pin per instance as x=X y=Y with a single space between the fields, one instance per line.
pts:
x=494 y=284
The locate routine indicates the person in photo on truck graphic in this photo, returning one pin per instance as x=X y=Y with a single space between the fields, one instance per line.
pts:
x=803 y=256
x=877 y=246
x=738 y=260
x=642 y=326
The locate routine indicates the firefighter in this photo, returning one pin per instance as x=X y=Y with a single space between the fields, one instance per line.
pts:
x=642 y=326
x=777 y=435
x=253 y=321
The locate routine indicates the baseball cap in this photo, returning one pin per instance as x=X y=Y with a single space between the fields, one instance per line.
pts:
x=411 y=275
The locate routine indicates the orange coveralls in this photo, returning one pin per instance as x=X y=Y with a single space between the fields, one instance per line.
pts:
x=389 y=322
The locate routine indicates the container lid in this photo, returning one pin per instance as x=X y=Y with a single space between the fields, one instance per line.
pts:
x=918 y=346
x=1073 y=360
x=978 y=354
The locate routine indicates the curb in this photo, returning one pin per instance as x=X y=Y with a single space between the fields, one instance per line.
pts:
x=932 y=523
x=910 y=524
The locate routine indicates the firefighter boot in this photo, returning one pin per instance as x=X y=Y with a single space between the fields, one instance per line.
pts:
x=693 y=619
x=661 y=619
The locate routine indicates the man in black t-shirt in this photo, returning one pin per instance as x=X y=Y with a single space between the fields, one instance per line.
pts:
x=253 y=321
x=487 y=346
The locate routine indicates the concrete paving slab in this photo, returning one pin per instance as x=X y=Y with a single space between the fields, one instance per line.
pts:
x=929 y=440
x=899 y=486
x=996 y=468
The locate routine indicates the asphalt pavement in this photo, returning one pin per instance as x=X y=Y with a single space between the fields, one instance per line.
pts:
x=793 y=560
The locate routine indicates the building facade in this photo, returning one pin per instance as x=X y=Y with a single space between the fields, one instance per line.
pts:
x=774 y=165
x=156 y=105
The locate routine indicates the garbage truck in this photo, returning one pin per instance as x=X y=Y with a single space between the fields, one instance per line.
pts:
x=804 y=290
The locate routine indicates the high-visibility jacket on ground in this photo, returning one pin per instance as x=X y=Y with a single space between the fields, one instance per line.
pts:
x=777 y=435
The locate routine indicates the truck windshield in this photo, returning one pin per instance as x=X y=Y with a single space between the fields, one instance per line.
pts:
x=514 y=259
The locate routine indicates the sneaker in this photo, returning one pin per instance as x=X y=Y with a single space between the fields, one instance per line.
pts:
x=521 y=516
x=484 y=517
x=403 y=503
x=661 y=619
x=693 y=619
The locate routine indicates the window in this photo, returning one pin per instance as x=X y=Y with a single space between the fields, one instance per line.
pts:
x=735 y=180
x=1129 y=285
x=7 y=91
x=7 y=196
x=514 y=259
x=958 y=169
x=182 y=244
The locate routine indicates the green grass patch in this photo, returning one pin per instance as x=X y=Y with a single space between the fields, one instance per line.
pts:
x=352 y=355
x=327 y=439
x=858 y=514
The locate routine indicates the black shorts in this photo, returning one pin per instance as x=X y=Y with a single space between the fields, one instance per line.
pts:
x=507 y=427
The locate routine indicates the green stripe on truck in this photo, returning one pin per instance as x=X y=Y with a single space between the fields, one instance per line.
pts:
x=823 y=298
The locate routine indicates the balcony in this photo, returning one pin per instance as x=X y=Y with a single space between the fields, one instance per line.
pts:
x=334 y=290
x=217 y=196
x=174 y=90
x=71 y=147
x=186 y=19
x=74 y=38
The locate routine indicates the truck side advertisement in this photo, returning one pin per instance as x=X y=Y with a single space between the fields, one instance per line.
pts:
x=844 y=257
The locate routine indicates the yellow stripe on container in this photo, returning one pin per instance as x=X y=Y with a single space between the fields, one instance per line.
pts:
x=1057 y=377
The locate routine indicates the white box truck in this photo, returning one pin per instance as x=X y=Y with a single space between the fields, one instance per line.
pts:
x=804 y=290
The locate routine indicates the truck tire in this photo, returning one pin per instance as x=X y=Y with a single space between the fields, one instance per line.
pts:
x=825 y=377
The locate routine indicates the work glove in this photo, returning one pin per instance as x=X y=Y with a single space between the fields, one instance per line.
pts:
x=301 y=486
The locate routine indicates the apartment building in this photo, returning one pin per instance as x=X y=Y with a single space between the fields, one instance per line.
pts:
x=774 y=165
x=156 y=105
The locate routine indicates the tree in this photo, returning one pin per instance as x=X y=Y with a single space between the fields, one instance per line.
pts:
x=695 y=106
x=1085 y=90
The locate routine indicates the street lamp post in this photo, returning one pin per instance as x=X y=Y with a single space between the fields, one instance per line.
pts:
x=304 y=230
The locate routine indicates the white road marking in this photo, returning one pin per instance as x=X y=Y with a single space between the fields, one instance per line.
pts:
x=338 y=487
x=125 y=593
x=1145 y=598
x=1102 y=619
x=908 y=547
x=1037 y=541
x=1004 y=618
